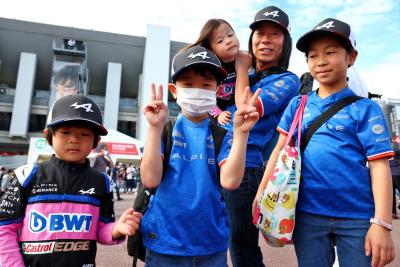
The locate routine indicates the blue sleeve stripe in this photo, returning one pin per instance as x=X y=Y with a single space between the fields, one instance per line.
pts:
x=7 y=222
x=33 y=172
x=85 y=199
x=107 y=180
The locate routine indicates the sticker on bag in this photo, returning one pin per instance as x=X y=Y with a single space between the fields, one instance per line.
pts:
x=275 y=213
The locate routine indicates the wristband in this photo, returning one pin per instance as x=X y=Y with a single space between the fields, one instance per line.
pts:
x=384 y=224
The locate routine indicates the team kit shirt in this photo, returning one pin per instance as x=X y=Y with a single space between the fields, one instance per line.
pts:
x=54 y=213
x=187 y=215
x=335 y=179
x=277 y=91
x=225 y=98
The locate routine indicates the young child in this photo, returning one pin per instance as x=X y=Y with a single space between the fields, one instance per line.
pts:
x=218 y=36
x=345 y=191
x=186 y=220
x=54 y=213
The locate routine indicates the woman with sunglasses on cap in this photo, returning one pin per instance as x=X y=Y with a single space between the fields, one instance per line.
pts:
x=270 y=46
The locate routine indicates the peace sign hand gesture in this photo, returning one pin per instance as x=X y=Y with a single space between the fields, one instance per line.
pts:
x=156 y=111
x=246 y=115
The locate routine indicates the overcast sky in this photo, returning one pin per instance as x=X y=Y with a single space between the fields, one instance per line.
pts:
x=376 y=24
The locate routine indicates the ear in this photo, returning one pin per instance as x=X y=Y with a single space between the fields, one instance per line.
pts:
x=172 y=89
x=352 y=57
x=45 y=132
x=96 y=142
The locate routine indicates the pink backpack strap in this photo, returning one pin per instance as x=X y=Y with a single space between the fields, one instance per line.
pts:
x=297 y=121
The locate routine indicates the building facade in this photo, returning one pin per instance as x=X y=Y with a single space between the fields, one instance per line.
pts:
x=115 y=70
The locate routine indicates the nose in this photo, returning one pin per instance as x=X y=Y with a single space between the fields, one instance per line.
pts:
x=321 y=61
x=74 y=138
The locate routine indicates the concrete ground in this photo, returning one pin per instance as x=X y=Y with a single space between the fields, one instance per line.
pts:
x=117 y=255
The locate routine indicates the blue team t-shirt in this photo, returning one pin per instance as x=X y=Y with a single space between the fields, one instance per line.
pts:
x=277 y=91
x=187 y=216
x=335 y=179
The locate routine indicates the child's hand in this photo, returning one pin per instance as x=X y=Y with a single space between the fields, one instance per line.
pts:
x=224 y=117
x=256 y=201
x=156 y=111
x=243 y=61
x=379 y=243
x=127 y=224
x=246 y=115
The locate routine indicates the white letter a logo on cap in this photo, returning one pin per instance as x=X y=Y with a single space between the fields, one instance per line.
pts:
x=87 y=107
x=203 y=55
x=327 y=25
x=273 y=13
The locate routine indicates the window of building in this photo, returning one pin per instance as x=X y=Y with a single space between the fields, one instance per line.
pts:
x=127 y=127
x=5 y=121
x=37 y=123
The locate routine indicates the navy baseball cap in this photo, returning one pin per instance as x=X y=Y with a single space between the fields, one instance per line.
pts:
x=76 y=108
x=328 y=26
x=274 y=14
x=197 y=55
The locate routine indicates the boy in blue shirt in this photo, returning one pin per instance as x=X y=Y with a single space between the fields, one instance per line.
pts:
x=186 y=220
x=346 y=190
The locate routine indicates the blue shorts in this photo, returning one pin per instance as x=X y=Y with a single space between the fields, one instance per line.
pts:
x=154 y=259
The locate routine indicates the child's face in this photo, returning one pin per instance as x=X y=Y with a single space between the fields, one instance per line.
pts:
x=73 y=144
x=267 y=45
x=224 y=43
x=328 y=61
x=192 y=79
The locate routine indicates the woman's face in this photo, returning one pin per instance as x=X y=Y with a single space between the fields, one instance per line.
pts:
x=267 y=45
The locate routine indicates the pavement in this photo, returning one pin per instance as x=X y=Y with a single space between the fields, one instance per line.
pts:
x=276 y=257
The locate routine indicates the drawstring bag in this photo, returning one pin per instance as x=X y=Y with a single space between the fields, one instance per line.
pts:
x=275 y=212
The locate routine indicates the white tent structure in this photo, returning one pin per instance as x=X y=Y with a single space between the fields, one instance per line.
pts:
x=121 y=147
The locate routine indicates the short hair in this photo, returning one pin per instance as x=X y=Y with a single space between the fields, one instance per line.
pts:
x=102 y=146
x=283 y=61
x=343 y=42
x=202 y=70
x=51 y=130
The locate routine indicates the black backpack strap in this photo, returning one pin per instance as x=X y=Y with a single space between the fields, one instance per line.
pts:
x=167 y=140
x=332 y=110
x=218 y=134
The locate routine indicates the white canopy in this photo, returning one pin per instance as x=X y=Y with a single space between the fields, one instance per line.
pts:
x=121 y=147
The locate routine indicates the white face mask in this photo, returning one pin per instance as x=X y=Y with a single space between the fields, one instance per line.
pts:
x=196 y=101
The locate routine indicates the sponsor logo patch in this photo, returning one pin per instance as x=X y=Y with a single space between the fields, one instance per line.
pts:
x=59 y=222
x=377 y=128
x=37 y=248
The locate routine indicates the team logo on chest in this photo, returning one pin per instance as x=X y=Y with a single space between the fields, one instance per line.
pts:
x=59 y=222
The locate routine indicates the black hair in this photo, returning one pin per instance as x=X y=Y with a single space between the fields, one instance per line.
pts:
x=51 y=130
x=283 y=61
x=202 y=70
x=342 y=41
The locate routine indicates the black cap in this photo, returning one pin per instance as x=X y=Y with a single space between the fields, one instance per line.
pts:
x=197 y=55
x=76 y=108
x=328 y=26
x=274 y=14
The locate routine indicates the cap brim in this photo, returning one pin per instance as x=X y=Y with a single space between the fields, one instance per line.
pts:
x=219 y=72
x=304 y=42
x=253 y=26
x=99 y=129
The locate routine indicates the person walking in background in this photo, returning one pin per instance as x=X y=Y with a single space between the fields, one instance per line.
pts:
x=270 y=47
x=103 y=162
x=350 y=208
x=130 y=178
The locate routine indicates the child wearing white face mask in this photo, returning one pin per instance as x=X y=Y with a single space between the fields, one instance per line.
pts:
x=186 y=220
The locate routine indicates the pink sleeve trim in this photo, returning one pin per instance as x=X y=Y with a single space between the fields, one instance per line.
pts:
x=10 y=255
x=215 y=111
x=104 y=234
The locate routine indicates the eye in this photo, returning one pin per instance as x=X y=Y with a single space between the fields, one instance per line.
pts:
x=230 y=35
x=219 y=41
x=330 y=52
